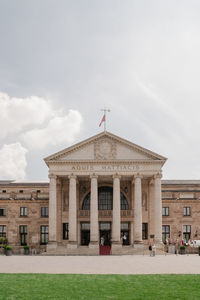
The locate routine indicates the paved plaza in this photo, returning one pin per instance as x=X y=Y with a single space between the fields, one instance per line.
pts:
x=137 y=264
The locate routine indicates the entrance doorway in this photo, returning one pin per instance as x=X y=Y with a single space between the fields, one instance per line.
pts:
x=85 y=234
x=105 y=238
x=125 y=234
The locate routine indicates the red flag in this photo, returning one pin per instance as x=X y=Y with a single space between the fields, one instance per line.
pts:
x=103 y=120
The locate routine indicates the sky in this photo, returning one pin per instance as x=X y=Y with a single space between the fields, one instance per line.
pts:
x=62 y=61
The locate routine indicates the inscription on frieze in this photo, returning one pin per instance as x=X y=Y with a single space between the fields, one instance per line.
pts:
x=105 y=168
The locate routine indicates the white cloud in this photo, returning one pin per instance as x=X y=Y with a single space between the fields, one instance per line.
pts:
x=18 y=113
x=59 y=130
x=13 y=161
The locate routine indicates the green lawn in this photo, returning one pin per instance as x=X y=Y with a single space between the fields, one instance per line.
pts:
x=46 y=286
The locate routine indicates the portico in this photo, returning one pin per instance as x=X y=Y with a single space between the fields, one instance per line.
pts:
x=104 y=180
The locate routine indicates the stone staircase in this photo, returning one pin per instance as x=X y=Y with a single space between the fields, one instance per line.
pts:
x=85 y=250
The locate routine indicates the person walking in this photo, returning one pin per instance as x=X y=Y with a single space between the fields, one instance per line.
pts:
x=153 y=250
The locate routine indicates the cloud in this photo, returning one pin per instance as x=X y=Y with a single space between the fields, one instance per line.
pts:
x=18 y=113
x=59 y=130
x=13 y=161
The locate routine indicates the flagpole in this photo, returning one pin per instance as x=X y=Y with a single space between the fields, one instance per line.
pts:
x=105 y=111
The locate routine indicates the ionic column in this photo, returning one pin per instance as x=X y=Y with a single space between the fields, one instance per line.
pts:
x=72 y=212
x=94 y=230
x=157 y=209
x=138 y=210
x=116 y=210
x=52 y=210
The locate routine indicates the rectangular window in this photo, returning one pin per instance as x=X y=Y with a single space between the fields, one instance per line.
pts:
x=21 y=191
x=44 y=233
x=44 y=211
x=65 y=231
x=165 y=233
x=4 y=191
x=144 y=231
x=187 y=211
x=2 y=212
x=2 y=230
x=165 y=211
x=105 y=226
x=23 y=234
x=186 y=232
x=23 y=211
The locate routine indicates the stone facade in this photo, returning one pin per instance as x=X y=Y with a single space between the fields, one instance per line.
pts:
x=102 y=187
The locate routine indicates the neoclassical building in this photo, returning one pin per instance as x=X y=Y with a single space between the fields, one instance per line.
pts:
x=104 y=195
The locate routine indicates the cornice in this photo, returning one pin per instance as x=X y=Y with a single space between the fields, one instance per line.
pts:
x=98 y=162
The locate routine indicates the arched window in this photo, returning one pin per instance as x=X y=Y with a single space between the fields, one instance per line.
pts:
x=105 y=199
x=86 y=202
x=123 y=202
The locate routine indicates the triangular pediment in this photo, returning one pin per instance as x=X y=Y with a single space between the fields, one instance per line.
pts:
x=104 y=146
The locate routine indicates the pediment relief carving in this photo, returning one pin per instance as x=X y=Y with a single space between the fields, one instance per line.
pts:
x=105 y=149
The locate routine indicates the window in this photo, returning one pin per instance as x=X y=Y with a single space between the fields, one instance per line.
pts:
x=2 y=230
x=2 y=212
x=23 y=211
x=186 y=232
x=165 y=211
x=44 y=232
x=38 y=191
x=23 y=234
x=21 y=191
x=105 y=199
x=186 y=211
x=4 y=191
x=85 y=234
x=165 y=233
x=65 y=231
x=44 y=211
x=144 y=231
x=123 y=202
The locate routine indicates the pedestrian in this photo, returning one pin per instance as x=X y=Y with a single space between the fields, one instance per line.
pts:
x=153 y=250
x=102 y=241
x=150 y=249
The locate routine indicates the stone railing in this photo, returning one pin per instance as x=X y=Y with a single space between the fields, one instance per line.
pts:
x=105 y=213
x=83 y=213
x=126 y=213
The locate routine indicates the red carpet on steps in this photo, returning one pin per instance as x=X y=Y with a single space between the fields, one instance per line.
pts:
x=105 y=250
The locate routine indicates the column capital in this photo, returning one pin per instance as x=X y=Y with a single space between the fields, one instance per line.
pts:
x=72 y=176
x=138 y=175
x=158 y=175
x=116 y=176
x=52 y=176
x=93 y=176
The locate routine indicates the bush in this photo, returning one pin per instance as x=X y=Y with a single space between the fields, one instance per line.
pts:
x=7 y=247
x=182 y=247
x=26 y=247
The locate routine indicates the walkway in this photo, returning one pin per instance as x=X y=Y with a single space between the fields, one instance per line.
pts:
x=137 y=264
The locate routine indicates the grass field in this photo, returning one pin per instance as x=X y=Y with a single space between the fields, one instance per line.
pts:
x=64 y=286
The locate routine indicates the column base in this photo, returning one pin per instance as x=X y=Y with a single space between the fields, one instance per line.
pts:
x=72 y=245
x=159 y=245
x=138 y=245
x=116 y=248
x=51 y=247
x=94 y=245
